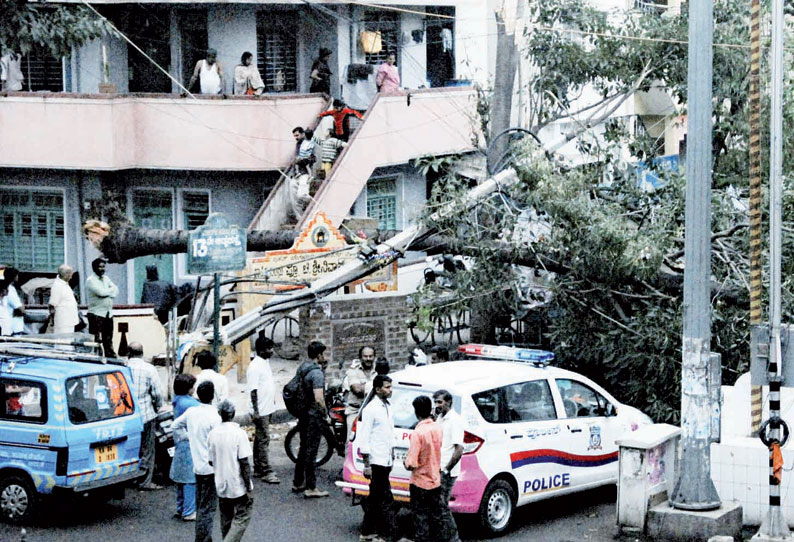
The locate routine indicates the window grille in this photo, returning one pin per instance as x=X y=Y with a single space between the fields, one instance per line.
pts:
x=42 y=71
x=388 y=25
x=32 y=234
x=195 y=209
x=382 y=202
x=277 y=51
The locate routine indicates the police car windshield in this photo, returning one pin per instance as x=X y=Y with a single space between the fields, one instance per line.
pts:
x=98 y=397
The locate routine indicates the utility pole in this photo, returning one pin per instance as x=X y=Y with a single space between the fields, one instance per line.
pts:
x=694 y=489
x=774 y=525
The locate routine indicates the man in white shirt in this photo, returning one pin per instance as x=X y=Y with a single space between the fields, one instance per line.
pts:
x=451 y=452
x=375 y=440
x=230 y=457
x=198 y=421
x=206 y=362
x=63 y=305
x=262 y=403
x=357 y=383
x=11 y=275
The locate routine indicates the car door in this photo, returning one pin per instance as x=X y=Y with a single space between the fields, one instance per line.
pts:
x=536 y=440
x=591 y=426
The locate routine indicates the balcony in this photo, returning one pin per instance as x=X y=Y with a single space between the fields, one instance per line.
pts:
x=151 y=131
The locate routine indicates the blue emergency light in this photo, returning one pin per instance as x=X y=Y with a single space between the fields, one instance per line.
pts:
x=509 y=353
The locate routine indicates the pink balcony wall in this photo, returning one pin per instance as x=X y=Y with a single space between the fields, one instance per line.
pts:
x=96 y=132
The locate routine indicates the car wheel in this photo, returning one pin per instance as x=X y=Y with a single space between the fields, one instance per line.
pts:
x=496 y=507
x=18 y=498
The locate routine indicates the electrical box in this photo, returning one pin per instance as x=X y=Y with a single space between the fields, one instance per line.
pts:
x=646 y=472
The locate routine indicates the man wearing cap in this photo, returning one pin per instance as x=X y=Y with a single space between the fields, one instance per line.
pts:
x=101 y=293
x=230 y=456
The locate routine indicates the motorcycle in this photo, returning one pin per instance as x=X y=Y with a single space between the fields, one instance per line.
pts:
x=164 y=447
x=333 y=436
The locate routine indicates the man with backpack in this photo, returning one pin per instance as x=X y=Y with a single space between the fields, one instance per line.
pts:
x=304 y=397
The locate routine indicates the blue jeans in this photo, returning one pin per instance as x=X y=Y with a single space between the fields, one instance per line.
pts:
x=185 y=499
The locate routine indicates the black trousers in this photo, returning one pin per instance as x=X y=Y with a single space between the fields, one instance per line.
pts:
x=379 y=512
x=310 y=429
x=426 y=508
x=206 y=506
x=101 y=327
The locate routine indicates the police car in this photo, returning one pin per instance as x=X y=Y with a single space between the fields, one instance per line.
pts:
x=532 y=431
x=68 y=424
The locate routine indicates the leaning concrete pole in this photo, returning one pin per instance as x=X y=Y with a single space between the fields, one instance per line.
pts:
x=694 y=489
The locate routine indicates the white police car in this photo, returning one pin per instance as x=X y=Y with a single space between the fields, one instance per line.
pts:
x=532 y=431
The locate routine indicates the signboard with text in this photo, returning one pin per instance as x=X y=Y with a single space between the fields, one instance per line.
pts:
x=319 y=249
x=216 y=246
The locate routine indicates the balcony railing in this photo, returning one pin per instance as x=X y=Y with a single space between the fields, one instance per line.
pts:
x=109 y=132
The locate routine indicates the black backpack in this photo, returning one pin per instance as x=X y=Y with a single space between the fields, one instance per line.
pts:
x=294 y=393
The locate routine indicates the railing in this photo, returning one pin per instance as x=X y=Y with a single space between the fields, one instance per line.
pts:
x=154 y=131
x=396 y=129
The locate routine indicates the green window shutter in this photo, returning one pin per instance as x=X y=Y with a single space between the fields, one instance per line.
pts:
x=32 y=231
x=382 y=202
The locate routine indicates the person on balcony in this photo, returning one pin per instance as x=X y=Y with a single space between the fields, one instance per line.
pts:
x=388 y=78
x=341 y=115
x=209 y=73
x=247 y=80
x=11 y=76
x=321 y=73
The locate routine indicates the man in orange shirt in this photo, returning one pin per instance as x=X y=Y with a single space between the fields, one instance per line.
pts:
x=424 y=462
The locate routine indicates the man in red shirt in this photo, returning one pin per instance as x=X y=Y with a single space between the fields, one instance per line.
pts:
x=424 y=462
x=340 y=112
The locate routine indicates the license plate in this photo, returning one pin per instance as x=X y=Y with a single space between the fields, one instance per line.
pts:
x=105 y=454
x=400 y=454
x=171 y=451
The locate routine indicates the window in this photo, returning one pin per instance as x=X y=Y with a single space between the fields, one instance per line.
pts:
x=23 y=400
x=42 y=71
x=581 y=401
x=98 y=397
x=32 y=233
x=388 y=24
x=402 y=406
x=277 y=51
x=530 y=401
x=382 y=202
x=195 y=209
x=491 y=404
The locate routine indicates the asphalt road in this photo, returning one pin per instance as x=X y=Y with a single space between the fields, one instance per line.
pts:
x=280 y=516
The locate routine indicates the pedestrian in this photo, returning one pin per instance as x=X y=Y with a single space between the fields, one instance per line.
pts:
x=262 y=401
x=199 y=421
x=149 y=398
x=247 y=80
x=62 y=304
x=381 y=368
x=210 y=74
x=11 y=276
x=11 y=76
x=388 y=77
x=206 y=362
x=329 y=153
x=451 y=452
x=101 y=292
x=230 y=457
x=304 y=150
x=311 y=421
x=160 y=293
x=341 y=115
x=321 y=73
x=424 y=462
x=375 y=440
x=357 y=383
x=182 y=464
x=6 y=311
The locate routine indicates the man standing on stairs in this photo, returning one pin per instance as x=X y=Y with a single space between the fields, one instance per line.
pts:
x=341 y=114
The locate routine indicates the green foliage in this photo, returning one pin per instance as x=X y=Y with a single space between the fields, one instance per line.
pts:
x=614 y=255
x=28 y=25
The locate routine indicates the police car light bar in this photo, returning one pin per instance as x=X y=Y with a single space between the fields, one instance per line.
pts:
x=525 y=355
